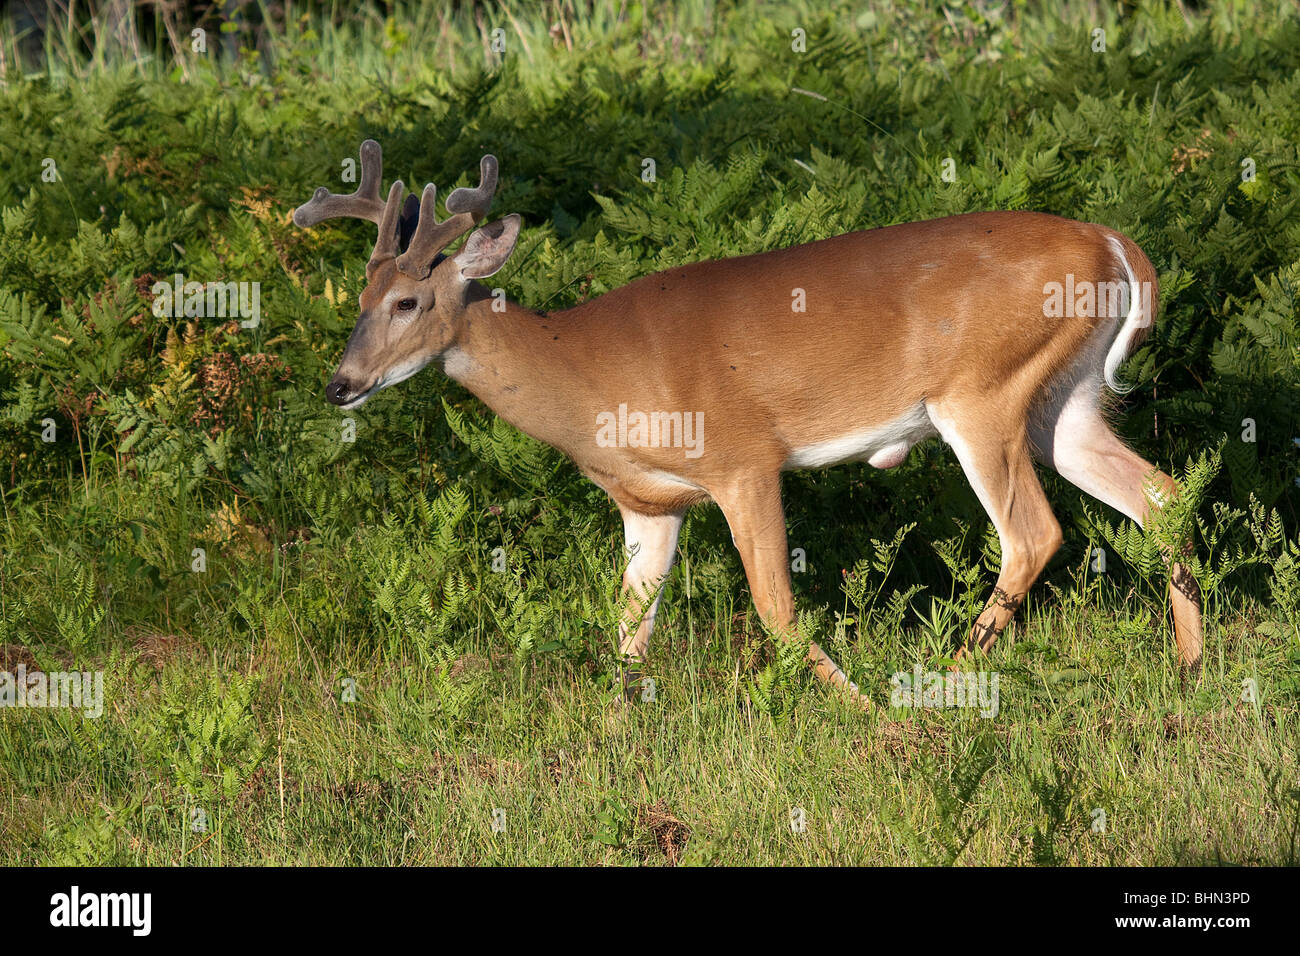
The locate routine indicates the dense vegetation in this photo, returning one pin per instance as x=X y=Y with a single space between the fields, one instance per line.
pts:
x=349 y=679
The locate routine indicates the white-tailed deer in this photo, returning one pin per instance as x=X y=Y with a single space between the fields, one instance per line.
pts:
x=995 y=331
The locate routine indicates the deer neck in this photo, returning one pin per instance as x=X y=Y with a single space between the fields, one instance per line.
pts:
x=525 y=366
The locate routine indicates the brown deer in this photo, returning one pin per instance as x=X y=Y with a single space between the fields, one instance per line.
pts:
x=854 y=348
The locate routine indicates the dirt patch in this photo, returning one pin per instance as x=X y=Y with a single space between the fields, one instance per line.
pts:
x=156 y=648
x=668 y=832
x=13 y=655
x=468 y=665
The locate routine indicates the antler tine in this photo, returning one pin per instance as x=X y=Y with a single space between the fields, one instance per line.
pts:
x=476 y=201
x=386 y=246
x=362 y=204
x=432 y=236
x=467 y=206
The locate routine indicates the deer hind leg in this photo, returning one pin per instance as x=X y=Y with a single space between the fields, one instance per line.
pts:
x=1082 y=448
x=1000 y=468
x=757 y=520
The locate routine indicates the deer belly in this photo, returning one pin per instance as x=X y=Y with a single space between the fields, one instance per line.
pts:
x=885 y=446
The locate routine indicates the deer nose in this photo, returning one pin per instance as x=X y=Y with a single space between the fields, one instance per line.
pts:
x=338 y=391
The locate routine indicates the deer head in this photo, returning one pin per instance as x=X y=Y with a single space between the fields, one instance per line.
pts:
x=415 y=296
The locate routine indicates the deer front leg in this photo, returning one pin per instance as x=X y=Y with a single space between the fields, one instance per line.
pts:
x=651 y=544
x=757 y=519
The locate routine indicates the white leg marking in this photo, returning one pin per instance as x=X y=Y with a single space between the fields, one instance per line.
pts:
x=1088 y=455
x=651 y=543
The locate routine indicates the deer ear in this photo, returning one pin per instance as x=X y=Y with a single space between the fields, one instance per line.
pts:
x=487 y=249
x=408 y=220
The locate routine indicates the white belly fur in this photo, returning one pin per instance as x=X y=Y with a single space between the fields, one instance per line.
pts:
x=882 y=447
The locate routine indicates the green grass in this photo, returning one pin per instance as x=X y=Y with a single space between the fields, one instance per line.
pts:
x=334 y=566
x=412 y=772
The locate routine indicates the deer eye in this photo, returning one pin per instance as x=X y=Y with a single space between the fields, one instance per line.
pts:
x=405 y=305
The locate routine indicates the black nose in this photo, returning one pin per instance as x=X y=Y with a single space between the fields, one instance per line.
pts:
x=338 y=392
